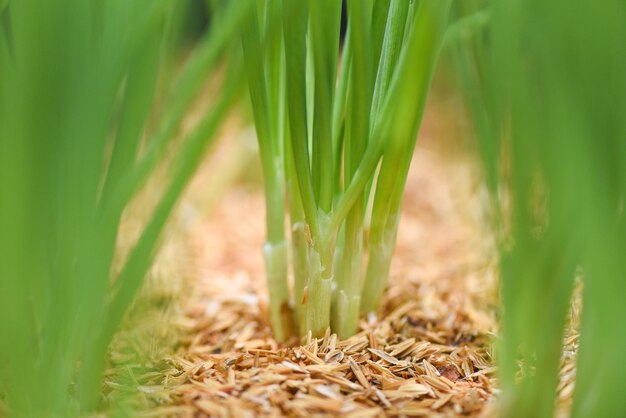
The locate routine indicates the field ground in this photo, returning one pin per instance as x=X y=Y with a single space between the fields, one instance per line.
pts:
x=429 y=353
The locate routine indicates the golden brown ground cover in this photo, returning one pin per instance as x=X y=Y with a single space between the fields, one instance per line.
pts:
x=429 y=352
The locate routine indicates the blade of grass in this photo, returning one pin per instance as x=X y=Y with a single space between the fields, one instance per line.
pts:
x=275 y=249
x=185 y=89
x=347 y=292
x=325 y=22
x=555 y=159
x=417 y=64
x=131 y=276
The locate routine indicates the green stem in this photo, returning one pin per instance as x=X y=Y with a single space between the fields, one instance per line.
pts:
x=91 y=373
x=276 y=267
x=424 y=45
x=318 y=295
x=347 y=298
x=299 y=245
x=324 y=24
x=300 y=260
x=382 y=237
x=392 y=44
x=321 y=256
x=348 y=280
x=275 y=249
x=380 y=16
x=294 y=30
x=382 y=243
x=339 y=106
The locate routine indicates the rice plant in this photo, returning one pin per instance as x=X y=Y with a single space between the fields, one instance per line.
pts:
x=336 y=124
x=86 y=117
x=545 y=81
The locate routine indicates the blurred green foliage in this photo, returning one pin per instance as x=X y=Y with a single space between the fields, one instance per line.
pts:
x=546 y=83
x=91 y=105
x=86 y=118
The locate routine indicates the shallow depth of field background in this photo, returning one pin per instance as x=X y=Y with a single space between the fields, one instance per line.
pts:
x=508 y=260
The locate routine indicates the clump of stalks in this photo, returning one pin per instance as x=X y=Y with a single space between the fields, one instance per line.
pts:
x=337 y=126
x=545 y=83
x=86 y=117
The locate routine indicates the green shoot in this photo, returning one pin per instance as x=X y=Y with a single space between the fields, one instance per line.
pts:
x=362 y=110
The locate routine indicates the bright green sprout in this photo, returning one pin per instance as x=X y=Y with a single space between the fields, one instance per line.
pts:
x=337 y=126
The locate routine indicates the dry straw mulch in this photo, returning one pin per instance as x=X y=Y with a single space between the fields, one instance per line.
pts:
x=428 y=353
